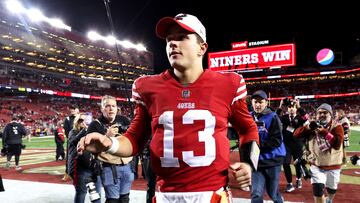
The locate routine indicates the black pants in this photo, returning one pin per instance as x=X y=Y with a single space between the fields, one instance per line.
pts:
x=60 y=152
x=294 y=150
x=151 y=179
x=14 y=149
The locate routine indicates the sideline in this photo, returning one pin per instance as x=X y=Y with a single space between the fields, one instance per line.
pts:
x=356 y=128
x=27 y=191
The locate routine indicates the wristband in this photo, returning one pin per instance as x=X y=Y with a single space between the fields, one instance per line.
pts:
x=114 y=146
x=329 y=137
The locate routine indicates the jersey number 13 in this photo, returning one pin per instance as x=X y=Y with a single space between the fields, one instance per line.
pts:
x=206 y=136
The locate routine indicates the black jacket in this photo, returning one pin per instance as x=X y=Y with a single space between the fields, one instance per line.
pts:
x=293 y=144
x=103 y=124
x=75 y=161
x=68 y=125
x=13 y=133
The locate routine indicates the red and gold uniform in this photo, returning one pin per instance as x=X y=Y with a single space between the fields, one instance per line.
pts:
x=188 y=124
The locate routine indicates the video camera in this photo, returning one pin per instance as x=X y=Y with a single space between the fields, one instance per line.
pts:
x=355 y=160
x=91 y=186
x=90 y=181
x=315 y=125
x=303 y=168
x=288 y=102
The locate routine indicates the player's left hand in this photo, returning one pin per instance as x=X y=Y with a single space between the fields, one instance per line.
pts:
x=242 y=173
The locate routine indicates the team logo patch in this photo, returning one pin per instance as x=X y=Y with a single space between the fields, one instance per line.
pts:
x=185 y=93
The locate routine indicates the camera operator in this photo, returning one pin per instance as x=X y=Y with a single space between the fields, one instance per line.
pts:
x=116 y=175
x=294 y=118
x=81 y=167
x=324 y=140
x=272 y=150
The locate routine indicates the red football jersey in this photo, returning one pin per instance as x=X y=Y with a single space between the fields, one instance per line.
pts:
x=189 y=148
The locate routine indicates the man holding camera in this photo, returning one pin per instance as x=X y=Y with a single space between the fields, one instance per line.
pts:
x=272 y=150
x=116 y=174
x=293 y=119
x=324 y=140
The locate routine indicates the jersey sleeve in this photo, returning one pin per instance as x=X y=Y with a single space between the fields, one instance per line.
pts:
x=240 y=118
x=136 y=92
x=139 y=131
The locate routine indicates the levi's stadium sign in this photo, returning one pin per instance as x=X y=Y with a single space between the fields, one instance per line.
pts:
x=253 y=58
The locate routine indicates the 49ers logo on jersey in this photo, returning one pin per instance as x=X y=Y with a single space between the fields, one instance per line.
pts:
x=186 y=105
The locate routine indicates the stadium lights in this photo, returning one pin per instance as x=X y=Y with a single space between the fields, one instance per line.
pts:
x=35 y=15
x=111 y=40
x=15 y=6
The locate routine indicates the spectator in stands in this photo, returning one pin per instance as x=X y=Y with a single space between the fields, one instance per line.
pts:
x=12 y=140
x=81 y=167
x=68 y=125
x=59 y=140
x=272 y=150
x=341 y=119
x=294 y=118
x=187 y=110
x=117 y=175
x=324 y=140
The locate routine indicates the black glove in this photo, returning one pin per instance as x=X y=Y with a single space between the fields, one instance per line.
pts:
x=354 y=159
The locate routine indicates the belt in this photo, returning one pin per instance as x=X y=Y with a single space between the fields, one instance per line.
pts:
x=109 y=164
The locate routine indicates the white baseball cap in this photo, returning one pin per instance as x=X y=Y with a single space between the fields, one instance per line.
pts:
x=188 y=22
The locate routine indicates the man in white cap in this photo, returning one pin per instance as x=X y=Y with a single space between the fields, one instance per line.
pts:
x=187 y=109
x=324 y=143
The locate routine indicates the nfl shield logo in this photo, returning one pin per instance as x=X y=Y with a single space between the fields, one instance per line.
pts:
x=185 y=93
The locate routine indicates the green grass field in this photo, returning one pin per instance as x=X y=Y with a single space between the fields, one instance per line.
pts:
x=49 y=142
x=354 y=141
x=40 y=142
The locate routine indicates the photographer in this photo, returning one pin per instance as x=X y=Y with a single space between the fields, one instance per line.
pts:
x=324 y=140
x=294 y=118
x=116 y=175
x=81 y=168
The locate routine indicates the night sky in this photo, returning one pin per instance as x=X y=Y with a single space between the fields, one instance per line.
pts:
x=310 y=27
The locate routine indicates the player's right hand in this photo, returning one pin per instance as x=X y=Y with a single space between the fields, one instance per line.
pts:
x=242 y=173
x=94 y=143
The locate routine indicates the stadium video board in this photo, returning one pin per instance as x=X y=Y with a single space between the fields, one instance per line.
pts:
x=253 y=58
